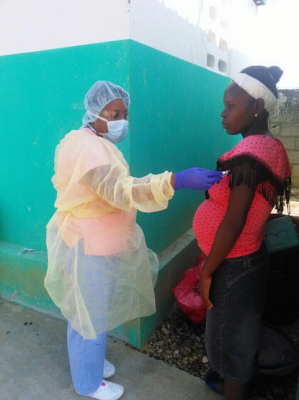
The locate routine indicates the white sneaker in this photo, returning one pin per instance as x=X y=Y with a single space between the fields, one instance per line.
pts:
x=108 y=391
x=109 y=369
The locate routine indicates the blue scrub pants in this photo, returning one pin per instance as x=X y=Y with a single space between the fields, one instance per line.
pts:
x=86 y=361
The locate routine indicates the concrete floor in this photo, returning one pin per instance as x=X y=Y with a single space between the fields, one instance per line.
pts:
x=34 y=364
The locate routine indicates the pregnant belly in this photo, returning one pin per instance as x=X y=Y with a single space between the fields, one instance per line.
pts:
x=206 y=222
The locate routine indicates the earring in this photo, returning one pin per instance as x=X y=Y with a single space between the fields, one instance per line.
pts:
x=255 y=115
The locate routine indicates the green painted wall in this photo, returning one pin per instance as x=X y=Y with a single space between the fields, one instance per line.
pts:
x=175 y=124
x=42 y=99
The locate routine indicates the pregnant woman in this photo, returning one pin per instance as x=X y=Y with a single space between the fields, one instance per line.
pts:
x=229 y=229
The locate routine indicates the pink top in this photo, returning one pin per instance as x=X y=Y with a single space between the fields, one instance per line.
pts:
x=258 y=161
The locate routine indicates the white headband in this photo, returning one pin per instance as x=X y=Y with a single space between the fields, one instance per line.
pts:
x=258 y=90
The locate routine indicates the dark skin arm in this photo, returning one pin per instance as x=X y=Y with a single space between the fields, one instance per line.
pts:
x=228 y=233
x=172 y=180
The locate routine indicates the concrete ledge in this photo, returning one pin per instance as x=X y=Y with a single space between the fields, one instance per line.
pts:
x=22 y=281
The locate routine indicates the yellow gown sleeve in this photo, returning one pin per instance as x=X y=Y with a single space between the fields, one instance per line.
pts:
x=113 y=184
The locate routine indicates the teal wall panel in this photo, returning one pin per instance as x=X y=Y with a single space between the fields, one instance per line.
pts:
x=175 y=124
x=42 y=99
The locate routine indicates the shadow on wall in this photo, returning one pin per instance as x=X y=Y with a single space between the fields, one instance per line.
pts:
x=195 y=31
x=158 y=25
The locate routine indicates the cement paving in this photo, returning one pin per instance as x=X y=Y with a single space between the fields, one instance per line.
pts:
x=34 y=364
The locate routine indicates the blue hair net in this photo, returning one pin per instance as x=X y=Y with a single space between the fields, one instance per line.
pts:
x=98 y=96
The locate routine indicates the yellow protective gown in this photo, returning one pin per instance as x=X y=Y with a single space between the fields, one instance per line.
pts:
x=100 y=272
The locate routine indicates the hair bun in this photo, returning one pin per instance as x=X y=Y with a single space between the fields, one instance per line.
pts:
x=276 y=72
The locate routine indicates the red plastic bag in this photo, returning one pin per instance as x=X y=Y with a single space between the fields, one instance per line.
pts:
x=187 y=296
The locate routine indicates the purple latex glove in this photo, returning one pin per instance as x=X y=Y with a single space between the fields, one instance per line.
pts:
x=196 y=179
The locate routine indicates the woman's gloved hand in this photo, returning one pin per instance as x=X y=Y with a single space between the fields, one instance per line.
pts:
x=196 y=179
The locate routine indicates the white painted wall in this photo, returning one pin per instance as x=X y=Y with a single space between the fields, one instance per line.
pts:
x=189 y=29
x=173 y=26
x=192 y=29
x=33 y=25
x=243 y=25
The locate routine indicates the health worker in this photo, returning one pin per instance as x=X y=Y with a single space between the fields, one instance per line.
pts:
x=100 y=272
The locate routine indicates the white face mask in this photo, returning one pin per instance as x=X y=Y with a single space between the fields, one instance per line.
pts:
x=117 y=130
